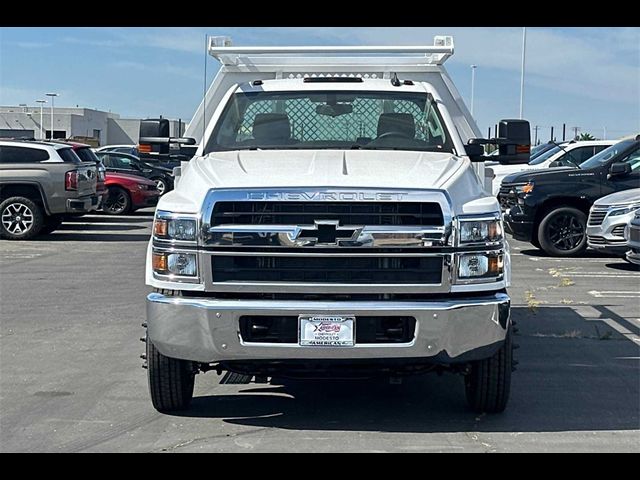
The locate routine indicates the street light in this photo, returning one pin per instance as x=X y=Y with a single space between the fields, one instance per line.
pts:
x=41 y=126
x=524 y=49
x=52 y=95
x=473 y=85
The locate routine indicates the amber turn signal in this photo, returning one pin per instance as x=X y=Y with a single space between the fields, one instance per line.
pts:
x=160 y=227
x=159 y=262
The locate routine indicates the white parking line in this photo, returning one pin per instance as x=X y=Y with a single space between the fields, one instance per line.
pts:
x=614 y=294
x=591 y=314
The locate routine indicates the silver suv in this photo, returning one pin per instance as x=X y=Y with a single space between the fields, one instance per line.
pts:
x=40 y=183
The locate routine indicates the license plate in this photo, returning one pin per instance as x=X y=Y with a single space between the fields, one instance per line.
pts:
x=326 y=330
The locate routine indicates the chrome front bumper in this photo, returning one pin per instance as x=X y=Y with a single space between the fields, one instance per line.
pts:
x=207 y=330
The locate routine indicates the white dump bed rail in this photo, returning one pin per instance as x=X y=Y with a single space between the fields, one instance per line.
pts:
x=418 y=63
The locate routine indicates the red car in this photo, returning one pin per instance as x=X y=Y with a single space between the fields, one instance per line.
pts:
x=128 y=193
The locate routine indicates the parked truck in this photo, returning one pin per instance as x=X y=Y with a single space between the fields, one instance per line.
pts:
x=40 y=183
x=334 y=222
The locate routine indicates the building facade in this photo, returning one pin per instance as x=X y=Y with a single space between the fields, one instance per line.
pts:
x=101 y=128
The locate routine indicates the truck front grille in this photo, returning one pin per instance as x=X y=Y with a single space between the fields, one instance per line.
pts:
x=368 y=329
x=328 y=269
x=507 y=196
x=346 y=213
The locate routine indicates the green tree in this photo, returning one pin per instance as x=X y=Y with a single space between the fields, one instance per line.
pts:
x=585 y=136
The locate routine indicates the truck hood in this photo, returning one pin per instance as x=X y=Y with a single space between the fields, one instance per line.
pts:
x=273 y=168
x=382 y=169
x=532 y=175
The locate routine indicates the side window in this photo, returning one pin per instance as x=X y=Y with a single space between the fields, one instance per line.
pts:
x=9 y=154
x=634 y=159
x=576 y=156
x=599 y=148
x=106 y=161
x=122 y=162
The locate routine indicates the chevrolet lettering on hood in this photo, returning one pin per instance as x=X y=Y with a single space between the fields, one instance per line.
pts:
x=341 y=196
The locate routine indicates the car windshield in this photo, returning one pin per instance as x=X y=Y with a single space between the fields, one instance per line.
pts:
x=607 y=154
x=330 y=120
x=540 y=149
x=543 y=157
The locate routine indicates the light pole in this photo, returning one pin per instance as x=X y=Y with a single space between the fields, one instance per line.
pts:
x=52 y=95
x=41 y=102
x=524 y=49
x=473 y=85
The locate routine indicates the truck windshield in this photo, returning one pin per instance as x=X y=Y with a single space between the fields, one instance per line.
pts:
x=330 y=120
x=607 y=154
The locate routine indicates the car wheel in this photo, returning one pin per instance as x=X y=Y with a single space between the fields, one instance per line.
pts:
x=162 y=185
x=51 y=223
x=20 y=218
x=562 y=233
x=171 y=380
x=118 y=202
x=488 y=384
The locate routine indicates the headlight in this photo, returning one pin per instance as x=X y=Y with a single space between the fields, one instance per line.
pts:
x=480 y=231
x=144 y=186
x=526 y=188
x=480 y=265
x=182 y=264
x=174 y=228
x=624 y=210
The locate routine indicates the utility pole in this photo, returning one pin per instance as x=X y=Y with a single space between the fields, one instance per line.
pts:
x=564 y=131
x=41 y=102
x=53 y=96
x=604 y=133
x=552 y=134
x=524 y=48
x=575 y=132
x=473 y=84
x=535 y=129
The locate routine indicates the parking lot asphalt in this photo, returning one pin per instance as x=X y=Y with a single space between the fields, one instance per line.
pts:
x=70 y=379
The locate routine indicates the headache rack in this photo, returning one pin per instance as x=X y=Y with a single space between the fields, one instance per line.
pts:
x=415 y=63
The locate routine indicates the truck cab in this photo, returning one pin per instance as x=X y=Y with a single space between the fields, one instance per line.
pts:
x=334 y=221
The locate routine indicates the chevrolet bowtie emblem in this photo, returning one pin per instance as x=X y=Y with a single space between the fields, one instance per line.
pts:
x=327 y=232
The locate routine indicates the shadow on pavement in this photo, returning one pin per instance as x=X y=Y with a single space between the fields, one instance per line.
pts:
x=623 y=266
x=579 y=383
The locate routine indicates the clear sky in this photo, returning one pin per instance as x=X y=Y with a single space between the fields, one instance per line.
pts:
x=584 y=77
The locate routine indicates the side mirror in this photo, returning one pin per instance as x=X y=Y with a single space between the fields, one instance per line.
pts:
x=619 y=168
x=514 y=142
x=155 y=137
x=475 y=152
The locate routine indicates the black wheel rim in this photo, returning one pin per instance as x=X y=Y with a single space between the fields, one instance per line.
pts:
x=116 y=203
x=565 y=232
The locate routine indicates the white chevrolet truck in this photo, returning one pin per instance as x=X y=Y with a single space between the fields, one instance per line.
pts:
x=334 y=222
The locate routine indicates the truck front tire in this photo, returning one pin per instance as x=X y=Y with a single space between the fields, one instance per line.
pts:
x=488 y=384
x=171 y=380
x=562 y=232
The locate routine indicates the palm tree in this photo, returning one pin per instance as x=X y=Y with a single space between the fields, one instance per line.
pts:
x=585 y=136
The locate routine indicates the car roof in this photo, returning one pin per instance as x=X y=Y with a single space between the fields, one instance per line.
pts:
x=34 y=143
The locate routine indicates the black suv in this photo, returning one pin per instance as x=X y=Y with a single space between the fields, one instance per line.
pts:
x=549 y=207
x=125 y=163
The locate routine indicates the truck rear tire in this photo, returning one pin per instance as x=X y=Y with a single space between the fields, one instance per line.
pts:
x=562 y=232
x=488 y=384
x=171 y=380
x=20 y=218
